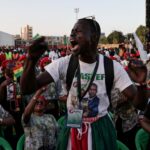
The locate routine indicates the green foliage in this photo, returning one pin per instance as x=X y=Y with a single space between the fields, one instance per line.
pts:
x=141 y=32
x=129 y=36
x=116 y=37
x=103 y=40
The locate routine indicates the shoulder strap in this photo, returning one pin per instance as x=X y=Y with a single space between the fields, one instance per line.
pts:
x=109 y=75
x=73 y=64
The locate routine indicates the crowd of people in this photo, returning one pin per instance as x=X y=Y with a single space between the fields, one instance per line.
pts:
x=36 y=92
x=12 y=101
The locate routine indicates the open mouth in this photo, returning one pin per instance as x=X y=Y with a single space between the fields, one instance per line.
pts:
x=75 y=46
x=73 y=42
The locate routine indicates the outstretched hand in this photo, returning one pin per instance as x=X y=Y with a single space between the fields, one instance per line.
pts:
x=137 y=71
x=37 y=48
x=40 y=91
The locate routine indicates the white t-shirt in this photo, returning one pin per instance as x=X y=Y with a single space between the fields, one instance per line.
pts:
x=124 y=63
x=53 y=55
x=96 y=101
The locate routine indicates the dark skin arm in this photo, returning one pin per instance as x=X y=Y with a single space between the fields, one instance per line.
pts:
x=145 y=123
x=30 y=107
x=138 y=94
x=2 y=92
x=29 y=82
x=3 y=89
x=7 y=121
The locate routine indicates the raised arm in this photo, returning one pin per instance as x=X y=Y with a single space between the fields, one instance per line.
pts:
x=137 y=93
x=29 y=82
x=30 y=107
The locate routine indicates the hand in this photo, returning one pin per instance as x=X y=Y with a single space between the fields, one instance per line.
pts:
x=6 y=82
x=137 y=71
x=37 y=48
x=40 y=91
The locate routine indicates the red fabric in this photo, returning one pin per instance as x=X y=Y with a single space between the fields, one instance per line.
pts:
x=126 y=55
x=5 y=63
x=42 y=98
x=2 y=57
x=112 y=58
x=43 y=61
x=22 y=58
x=79 y=144
x=137 y=53
x=63 y=53
x=132 y=55
x=126 y=68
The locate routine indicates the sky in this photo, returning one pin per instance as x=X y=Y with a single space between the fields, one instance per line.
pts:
x=57 y=17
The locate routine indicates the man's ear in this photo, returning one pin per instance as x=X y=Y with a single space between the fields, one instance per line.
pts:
x=94 y=38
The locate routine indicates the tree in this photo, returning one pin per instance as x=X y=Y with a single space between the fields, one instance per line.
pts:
x=141 y=32
x=129 y=36
x=115 y=37
x=103 y=40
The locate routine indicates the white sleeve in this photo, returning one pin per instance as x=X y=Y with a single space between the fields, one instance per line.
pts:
x=58 y=68
x=121 y=78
